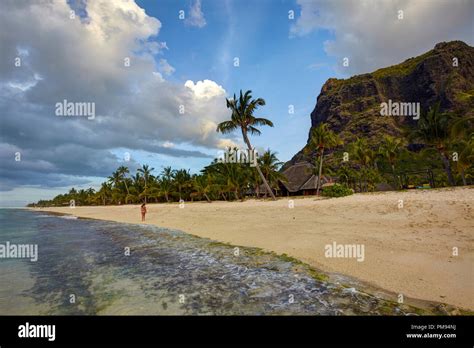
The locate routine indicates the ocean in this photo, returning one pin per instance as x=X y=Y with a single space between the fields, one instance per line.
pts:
x=92 y=267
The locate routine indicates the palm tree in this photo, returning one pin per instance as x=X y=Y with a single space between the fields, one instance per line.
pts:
x=219 y=172
x=255 y=180
x=233 y=176
x=462 y=128
x=137 y=181
x=242 y=117
x=155 y=192
x=104 y=192
x=202 y=185
x=181 y=179
x=166 y=187
x=323 y=138
x=167 y=173
x=465 y=157
x=433 y=128
x=123 y=171
x=146 y=172
x=116 y=179
x=389 y=150
x=361 y=152
x=345 y=174
x=270 y=164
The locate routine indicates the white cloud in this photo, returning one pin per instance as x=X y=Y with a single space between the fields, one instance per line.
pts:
x=226 y=143
x=165 y=67
x=370 y=34
x=206 y=89
x=83 y=60
x=196 y=16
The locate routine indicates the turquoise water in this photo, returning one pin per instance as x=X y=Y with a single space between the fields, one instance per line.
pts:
x=83 y=268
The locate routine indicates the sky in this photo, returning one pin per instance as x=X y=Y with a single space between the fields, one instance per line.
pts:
x=158 y=73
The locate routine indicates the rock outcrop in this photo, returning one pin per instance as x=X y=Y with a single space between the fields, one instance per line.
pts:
x=351 y=107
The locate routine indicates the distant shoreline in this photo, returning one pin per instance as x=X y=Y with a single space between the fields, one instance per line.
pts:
x=407 y=250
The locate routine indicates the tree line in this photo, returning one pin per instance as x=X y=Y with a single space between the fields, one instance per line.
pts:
x=446 y=142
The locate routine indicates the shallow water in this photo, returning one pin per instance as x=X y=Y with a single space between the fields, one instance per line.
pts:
x=167 y=273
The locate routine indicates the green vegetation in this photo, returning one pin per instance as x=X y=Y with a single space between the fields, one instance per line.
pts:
x=217 y=181
x=322 y=138
x=401 y=69
x=466 y=97
x=242 y=118
x=337 y=190
x=442 y=154
x=434 y=130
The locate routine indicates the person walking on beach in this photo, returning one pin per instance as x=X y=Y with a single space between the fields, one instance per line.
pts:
x=143 y=211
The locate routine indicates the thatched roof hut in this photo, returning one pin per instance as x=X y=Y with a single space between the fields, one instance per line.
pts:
x=297 y=175
x=301 y=180
x=311 y=184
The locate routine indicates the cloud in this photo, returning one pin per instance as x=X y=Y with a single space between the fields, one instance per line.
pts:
x=165 y=67
x=106 y=58
x=370 y=34
x=196 y=16
x=206 y=89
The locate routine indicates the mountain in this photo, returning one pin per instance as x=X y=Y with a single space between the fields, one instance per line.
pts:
x=351 y=107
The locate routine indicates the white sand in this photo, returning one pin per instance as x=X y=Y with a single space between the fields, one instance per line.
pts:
x=408 y=250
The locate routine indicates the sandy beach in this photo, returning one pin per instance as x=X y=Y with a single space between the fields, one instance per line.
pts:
x=408 y=237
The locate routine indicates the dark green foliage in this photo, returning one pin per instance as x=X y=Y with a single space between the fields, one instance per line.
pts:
x=337 y=190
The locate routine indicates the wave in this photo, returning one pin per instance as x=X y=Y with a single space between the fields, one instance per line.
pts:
x=67 y=217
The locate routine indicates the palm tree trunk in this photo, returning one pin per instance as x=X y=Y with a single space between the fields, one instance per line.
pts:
x=207 y=197
x=463 y=177
x=447 y=168
x=394 y=177
x=320 y=170
x=128 y=192
x=246 y=139
x=145 y=189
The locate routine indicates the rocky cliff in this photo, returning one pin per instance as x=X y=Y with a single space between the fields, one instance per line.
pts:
x=352 y=106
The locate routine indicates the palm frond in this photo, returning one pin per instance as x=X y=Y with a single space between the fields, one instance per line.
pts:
x=227 y=127
x=254 y=131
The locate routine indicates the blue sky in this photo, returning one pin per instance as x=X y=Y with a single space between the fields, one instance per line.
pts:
x=183 y=62
x=281 y=69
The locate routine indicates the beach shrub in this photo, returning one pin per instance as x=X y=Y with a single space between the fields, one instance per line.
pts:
x=336 y=190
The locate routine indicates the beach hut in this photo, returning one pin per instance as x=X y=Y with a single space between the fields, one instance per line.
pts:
x=262 y=191
x=301 y=180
